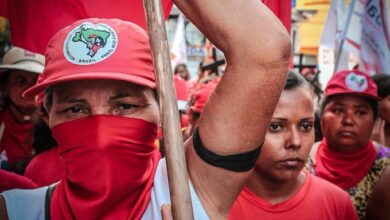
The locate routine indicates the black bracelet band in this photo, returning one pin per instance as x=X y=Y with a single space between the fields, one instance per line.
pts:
x=237 y=162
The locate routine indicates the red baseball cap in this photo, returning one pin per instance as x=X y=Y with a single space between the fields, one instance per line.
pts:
x=201 y=95
x=97 y=49
x=351 y=82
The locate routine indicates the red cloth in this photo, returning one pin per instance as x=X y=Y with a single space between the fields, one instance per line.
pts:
x=110 y=162
x=344 y=169
x=45 y=168
x=10 y=180
x=282 y=9
x=33 y=24
x=181 y=88
x=16 y=139
x=317 y=199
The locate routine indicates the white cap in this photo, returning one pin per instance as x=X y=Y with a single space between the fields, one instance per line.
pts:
x=20 y=59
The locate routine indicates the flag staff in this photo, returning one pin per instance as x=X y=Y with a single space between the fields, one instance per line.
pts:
x=173 y=140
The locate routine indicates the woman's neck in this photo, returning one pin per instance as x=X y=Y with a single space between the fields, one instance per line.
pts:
x=19 y=117
x=273 y=191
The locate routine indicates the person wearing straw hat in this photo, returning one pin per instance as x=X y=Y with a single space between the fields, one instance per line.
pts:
x=103 y=112
x=19 y=70
x=346 y=156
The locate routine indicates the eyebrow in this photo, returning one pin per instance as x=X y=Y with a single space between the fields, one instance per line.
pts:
x=70 y=100
x=123 y=95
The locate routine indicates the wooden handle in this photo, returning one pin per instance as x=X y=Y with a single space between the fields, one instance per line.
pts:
x=173 y=140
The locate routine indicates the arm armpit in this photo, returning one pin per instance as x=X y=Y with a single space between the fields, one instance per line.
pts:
x=379 y=202
x=3 y=210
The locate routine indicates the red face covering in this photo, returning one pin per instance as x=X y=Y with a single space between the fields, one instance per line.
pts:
x=344 y=169
x=110 y=162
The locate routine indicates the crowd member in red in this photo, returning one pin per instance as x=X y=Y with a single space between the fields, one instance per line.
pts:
x=347 y=156
x=182 y=95
x=198 y=101
x=103 y=113
x=278 y=187
x=182 y=71
x=19 y=71
x=381 y=131
x=45 y=167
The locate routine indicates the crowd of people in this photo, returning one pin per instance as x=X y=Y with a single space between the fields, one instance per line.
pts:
x=80 y=133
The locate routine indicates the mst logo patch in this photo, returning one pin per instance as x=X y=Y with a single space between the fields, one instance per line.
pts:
x=356 y=82
x=90 y=43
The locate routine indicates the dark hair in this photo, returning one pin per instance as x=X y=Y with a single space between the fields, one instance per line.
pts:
x=43 y=139
x=4 y=99
x=382 y=81
x=373 y=104
x=295 y=80
x=178 y=66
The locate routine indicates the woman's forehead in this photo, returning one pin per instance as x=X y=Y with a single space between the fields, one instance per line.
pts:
x=101 y=87
x=297 y=102
x=349 y=100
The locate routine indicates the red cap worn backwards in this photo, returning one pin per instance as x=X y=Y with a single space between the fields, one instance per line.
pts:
x=97 y=49
x=351 y=82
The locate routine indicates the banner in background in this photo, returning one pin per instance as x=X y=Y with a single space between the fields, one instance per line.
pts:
x=34 y=22
x=375 y=39
x=179 y=47
x=282 y=9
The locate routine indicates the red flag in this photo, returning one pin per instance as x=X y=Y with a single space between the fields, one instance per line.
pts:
x=282 y=9
x=34 y=22
x=3 y=8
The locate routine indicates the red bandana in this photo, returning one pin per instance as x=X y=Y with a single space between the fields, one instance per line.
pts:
x=110 y=162
x=16 y=139
x=344 y=169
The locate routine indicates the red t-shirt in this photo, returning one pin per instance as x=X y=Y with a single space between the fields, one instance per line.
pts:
x=317 y=199
x=45 y=168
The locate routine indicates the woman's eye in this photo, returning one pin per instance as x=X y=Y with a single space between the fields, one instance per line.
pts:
x=74 y=110
x=361 y=113
x=307 y=126
x=275 y=127
x=337 y=110
x=126 y=106
x=21 y=81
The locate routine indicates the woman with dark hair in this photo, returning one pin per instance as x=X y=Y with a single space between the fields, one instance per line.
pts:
x=347 y=156
x=20 y=71
x=104 y=114
x=279 y=188
x=182 y=71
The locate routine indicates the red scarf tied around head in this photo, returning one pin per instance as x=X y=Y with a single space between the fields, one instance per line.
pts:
x=110 y=162
x=344 y=169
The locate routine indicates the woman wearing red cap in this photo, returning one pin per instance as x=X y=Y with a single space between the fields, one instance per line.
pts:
x=103 y=113
x=279 y=189
x=346 y=156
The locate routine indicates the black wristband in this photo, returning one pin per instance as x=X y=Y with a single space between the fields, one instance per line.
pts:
x=240 y=162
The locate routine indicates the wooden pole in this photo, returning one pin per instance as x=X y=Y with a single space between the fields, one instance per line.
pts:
x=173 y=140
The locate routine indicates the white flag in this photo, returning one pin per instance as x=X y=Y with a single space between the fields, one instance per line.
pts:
x=179 y=48
x=330 y=39
x=375 y=42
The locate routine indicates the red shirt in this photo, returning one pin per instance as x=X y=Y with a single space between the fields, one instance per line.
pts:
x=317 y=199
x=16 y=139
x=45 y=168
